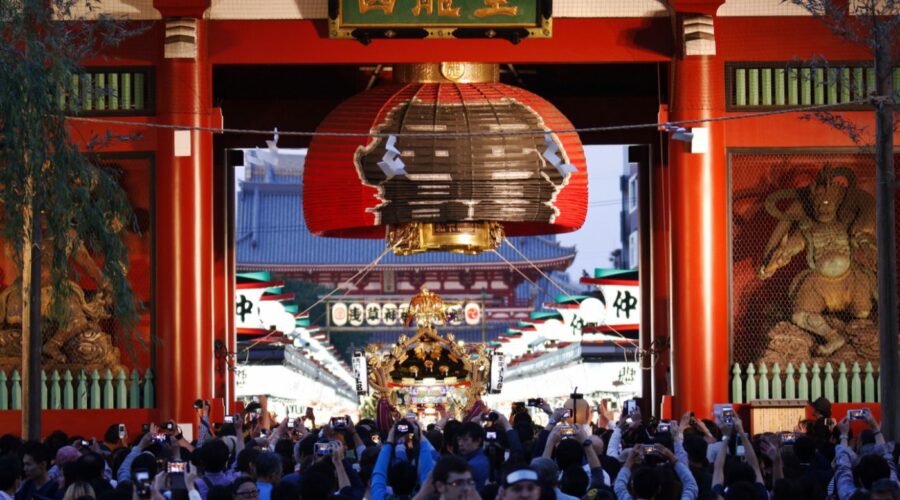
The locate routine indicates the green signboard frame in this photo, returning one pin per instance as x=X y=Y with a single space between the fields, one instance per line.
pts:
x=513 y=20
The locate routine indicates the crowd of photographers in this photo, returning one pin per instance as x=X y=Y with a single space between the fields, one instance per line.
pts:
x=581 y=452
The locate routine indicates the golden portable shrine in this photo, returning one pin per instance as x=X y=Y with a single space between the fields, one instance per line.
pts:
x=428 y=369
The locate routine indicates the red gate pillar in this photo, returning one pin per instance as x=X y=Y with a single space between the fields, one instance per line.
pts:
x=699 y=224
x=184 y=222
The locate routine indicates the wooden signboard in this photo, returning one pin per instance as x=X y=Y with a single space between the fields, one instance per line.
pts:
x=776 y=415
x=513 y=20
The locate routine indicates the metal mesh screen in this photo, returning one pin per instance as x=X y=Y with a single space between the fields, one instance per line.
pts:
x=803 y=250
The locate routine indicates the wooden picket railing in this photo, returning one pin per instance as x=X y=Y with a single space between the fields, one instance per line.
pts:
x=853 y=385
x=82 y=391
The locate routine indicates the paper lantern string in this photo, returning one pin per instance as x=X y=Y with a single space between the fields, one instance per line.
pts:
x=391 y=164
x=552 y=155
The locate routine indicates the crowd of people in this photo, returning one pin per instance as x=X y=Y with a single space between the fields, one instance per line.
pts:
x=582 y=452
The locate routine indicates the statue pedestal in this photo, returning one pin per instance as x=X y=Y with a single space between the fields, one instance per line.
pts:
x=88 y=350
x=790 y=343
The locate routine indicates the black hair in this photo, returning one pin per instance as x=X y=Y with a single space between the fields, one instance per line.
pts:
x=402 y=477
x=451 y=432
x=145 y=461
x=55 y=441
x=308 y=446
x=737 y=471
x=9 y=444
x=448 y=464
x=285 y=448
x=267 y=463
x=213 y=455
x=870 y=469
x=9 y=472
x=90 y=466
x=245 y=458
x=569 y=452
x=37 y=451
x=239 y=481
x=645 y=482
x=695 y=447
x=471 y=429
x=574 y=481
x=805 y=449
x=319 y=481
x=112 y=434
x=436 y=439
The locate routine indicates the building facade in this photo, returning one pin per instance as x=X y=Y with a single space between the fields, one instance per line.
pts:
x=205 y=64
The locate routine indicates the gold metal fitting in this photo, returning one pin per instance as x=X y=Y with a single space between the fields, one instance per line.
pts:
x=459 y=237
x=447 y=72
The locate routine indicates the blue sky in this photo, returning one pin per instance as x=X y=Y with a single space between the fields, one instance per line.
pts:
x=600 y=234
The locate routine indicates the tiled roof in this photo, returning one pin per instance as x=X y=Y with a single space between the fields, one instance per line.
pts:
x=272 y=234
x=546 y=292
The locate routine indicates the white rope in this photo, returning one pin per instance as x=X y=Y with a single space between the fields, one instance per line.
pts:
x=485 y=133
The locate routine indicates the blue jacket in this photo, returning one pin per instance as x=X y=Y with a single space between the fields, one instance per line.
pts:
x=481 y=468
x=380 y=472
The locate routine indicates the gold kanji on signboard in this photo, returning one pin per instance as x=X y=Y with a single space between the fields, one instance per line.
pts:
x=386 y=6
x=445 y=8
x=496 y=8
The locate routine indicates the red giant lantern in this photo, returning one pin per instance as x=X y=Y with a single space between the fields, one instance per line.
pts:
x=490 y=164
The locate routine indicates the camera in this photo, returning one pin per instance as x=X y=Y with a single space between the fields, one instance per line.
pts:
x=122 y=431
x=728 y=416
x=177 y=467
x=535 y=402
x=142 y=483
x=229 y=419
x=198 y=404
x=324 y=449
x=169 y=426
x=519 y=407
x=858 y=414
x=402 y=427
x=145 y=428
x=85 y=443
x=338 y=423
x=647 y=449
x=159 y=438
x=491 y=416
x=739 y=451
x=664 y=427
x=490 y=435
x=788 y=437
x=567 y=431
x=630 y=407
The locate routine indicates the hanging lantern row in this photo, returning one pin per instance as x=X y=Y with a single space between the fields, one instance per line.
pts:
x=446 y=192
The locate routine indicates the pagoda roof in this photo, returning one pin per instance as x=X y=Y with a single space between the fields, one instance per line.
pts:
x=272 y=234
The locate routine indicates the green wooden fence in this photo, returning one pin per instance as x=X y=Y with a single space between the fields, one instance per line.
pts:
x=82 y=390
x=853 y=385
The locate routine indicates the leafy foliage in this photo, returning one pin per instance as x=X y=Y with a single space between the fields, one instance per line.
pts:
x=42 y=45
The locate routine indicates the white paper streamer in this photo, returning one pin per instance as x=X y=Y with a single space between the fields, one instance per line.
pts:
x=552 y=155
x=391 y=164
